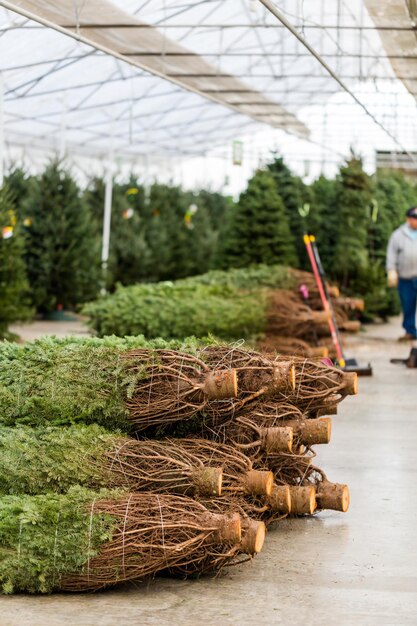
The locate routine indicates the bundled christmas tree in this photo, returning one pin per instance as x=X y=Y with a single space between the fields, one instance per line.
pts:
x=14 y=288
x=87 y=540
x=62 y=258
x=175 y=311
x=258 y=229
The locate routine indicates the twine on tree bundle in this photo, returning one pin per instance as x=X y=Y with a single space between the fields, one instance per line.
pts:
x=334 y=496
x=318 y=384
x=36 y=461
x=265 y=508
x=154 y=533
x=238 y=473
x=259 y=376
x=167 y=466
x=260 y=432
x=176 y=387
x=289 y=317
x=217 y=558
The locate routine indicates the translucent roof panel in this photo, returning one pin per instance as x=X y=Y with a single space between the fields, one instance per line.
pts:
x=182 y=78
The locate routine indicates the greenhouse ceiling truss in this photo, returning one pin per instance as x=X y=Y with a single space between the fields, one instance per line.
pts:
x=231 y=53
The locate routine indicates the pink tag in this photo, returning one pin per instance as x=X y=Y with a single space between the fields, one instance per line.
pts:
x=327 y=361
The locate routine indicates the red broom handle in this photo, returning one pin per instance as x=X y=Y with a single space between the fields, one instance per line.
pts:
x=324 y=301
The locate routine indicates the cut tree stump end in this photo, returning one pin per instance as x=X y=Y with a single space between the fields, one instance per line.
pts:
x=313 y=431
x=259 y=482
x=350 y=384
x=221 y=384
x=253 y=536
x=229 y=527
x=303 y=500
x=208 y=481
x=277 y=439
x=280 y=499
x=334 y=496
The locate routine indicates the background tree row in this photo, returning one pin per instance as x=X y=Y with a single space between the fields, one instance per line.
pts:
x=164 y=233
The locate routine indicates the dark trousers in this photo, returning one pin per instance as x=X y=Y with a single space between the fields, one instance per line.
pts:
x=407 y=288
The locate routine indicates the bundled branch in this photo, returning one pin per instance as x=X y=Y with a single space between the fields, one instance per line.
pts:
x=307 y=280
x=316 y=384
x=261 y=434
x=238 y=473
x=229 y=305
x=88 y=541
x=214 y=559
x=258 y=375
x=63 y=382
x=289 y=317
x=261 y=508
x=319 y=386
x=312 y=491
x=35 y=461
x=230 y=388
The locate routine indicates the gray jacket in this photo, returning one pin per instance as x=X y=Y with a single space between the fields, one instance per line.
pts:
x=402 y=253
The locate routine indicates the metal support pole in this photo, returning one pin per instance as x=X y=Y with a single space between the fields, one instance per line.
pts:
x=108 y=197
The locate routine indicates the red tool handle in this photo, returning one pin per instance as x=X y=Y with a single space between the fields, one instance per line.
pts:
x=324 y=301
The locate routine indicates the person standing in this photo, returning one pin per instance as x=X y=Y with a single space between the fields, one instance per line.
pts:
x=402 y=270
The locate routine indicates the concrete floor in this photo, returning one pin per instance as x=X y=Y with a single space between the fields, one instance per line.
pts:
x=358 y=568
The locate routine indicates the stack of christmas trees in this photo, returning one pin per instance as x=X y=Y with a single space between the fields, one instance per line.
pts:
x=261 y=303
x=124 y=458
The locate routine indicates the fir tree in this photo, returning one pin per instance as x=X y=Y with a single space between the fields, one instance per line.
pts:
x=294 y=195
x=61 y=255
x=203 y=217
x=180 y=235
x=13 y=283
x=325 y=213
x=21 y=186
x=257 y=230
x=353 y=196
x=167 y=234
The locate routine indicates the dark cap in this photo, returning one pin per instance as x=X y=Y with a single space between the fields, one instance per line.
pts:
x=412 y=212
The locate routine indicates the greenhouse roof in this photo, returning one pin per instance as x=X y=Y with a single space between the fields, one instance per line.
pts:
x=180 y=77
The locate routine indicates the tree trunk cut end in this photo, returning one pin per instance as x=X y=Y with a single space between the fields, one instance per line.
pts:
x=320 y=352
x=350 y=385
x=208 y=481
x=221 y=384
x=284 y=376
x=303 y=500
x=334 y=496
x=229 y=527
x=253 y=536
x=259 y=482
x=351 y=326
x=280 y=499
x=313 y=431
x=321 y=317
x=277 y=439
